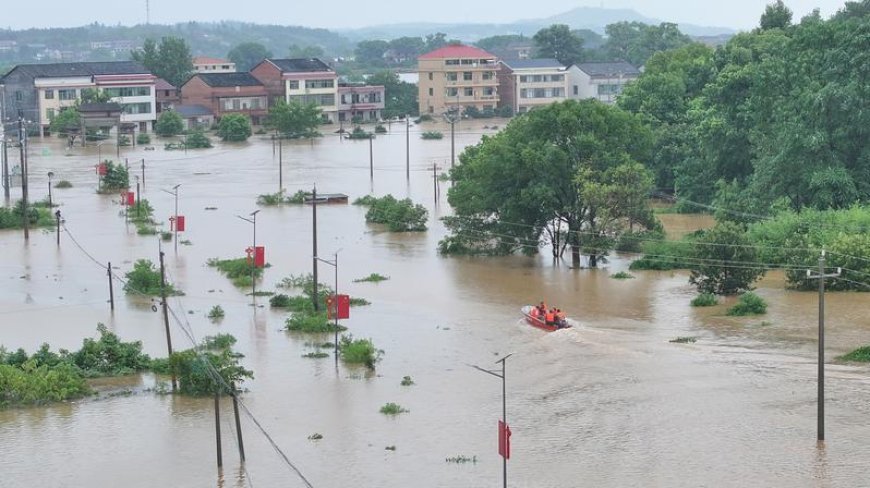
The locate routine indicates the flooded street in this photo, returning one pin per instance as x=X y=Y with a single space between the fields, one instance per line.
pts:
x=609 y=404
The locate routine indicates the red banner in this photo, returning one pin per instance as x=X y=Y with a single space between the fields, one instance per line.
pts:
x=131 y=198
x=258 y=256
x=504 y=440
x=179 y=223
x=102 y=169
x=343 y=304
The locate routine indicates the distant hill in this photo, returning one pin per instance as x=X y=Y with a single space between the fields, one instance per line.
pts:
x=592 y=18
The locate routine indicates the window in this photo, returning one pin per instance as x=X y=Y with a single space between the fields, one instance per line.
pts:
x=469 y=92
x=294 y=84
x=344 y=99
x=128 y=91
x=608 y=89
x=319 y=83
x=538 y=78
x=50 y=114
x=373 y=114
x=488 y=75
x=489 y=91
x=430 y=76
x=237 y=104
x=466 y=76
x=431 y=92
x=18 y=95
x=136 y=108
x=557 y=77
x=49 y=94
x=69 y=94
x=452 y=62
x=451 y=77
x=576 y=90
x=558 y=92
x=524 y=93
x=540 y=93
x=225 y=66
x=452 y=92
x=524 y=79
x=467 y=62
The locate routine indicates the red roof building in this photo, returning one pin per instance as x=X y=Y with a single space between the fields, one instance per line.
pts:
x=455 y=77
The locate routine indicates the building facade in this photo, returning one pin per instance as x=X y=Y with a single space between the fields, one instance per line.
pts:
x=456 y=77
x=203 y=64
x=529 y=83
x=364 y=103
x=225 y=93
x=601 y=81
x=40 y=91
x=306 y=81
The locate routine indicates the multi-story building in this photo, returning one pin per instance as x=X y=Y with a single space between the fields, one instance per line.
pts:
x=167 y=95
x=529 y=83
x=225 y=93
x=40 y=91
x=358 y=101
x=203 y=64
x=456 y=77
x=306 y=81
x=601 y=81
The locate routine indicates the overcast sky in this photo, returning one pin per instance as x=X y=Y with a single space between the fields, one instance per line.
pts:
x=741 y=14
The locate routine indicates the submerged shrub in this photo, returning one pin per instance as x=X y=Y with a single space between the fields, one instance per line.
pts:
x=749 y=304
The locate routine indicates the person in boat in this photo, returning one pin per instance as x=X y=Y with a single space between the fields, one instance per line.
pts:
x=560 y=321
x=550 y=317
x=542 y=308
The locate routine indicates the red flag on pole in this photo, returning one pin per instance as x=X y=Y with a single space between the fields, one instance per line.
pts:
x=504 y=440
x=338 y=304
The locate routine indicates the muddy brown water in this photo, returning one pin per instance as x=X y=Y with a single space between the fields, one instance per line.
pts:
x=611 y=403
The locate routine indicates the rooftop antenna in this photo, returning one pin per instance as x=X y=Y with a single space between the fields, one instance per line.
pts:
x=147 y=12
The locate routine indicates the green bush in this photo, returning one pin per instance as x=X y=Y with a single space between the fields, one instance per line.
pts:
x=62 y=184
x=240 y=271
x=393 y=409
x=705 y=300
x=13 y=218
x=684 y=340
x=234 y=128
x=407 y=381
x=280 y=301
x=169 y=124
x=197 y=140
x=397 y=215
x=116 y=178
x=216 y=313
x=195 y=368
x=749 y=304
x=372 y=278
x=143 y=138
x=272 y=199
x=359 y=351
x=38 y=385
x=380 y=129
x=622 y=275
x=359 y=133
x=432 y=135
x=144 y=279
x=311 y=322
x=108 y=356
x=166 y=236
x=663 y=255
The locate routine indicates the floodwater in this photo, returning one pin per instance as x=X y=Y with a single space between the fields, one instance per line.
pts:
x=609 y=404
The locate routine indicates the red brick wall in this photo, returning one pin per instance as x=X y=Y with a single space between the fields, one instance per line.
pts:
x=272 y=78
x=197 y=92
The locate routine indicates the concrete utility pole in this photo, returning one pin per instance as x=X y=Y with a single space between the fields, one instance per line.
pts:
x=5 y=159
x=821 y=276
x=314 y=244
x=166 y=314
x=503 y=377
x=22 y=142
x=408 y=147
x=452 y=116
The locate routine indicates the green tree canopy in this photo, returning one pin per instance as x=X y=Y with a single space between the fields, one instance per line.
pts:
x=248 y=54
x=776 y=16
x=558 y=42
x=635 y=42
x=294 y=120
x=170 y=60
x=567 y=174
x=309 y=51
x=66 y=121
x=400 y=97
x=234 y=127
x=169 y=123
x=501 y=42
x=371 y=53
x=724 y=261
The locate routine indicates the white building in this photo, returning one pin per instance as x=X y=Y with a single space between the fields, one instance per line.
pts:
x=601 y=81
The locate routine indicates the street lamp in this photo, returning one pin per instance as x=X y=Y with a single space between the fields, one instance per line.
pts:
x=50 y=174
x=174 y=192
x=253 y=220
x=503 y=409
x=334 y=264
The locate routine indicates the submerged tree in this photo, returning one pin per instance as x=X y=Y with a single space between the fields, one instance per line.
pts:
x=567 y=174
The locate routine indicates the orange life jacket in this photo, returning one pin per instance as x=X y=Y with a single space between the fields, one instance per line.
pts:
x=549 y=317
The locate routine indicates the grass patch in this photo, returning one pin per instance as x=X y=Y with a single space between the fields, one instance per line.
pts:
x=749 y=304
x=397 y=215
x=315 y=437
x=62 y=184
x=316 y=355
x=622 y=275
x=240 y=271
x=393 y=409
x=407 y=381
x=216 y=313
x=664 y=255
x=280 y=301
x=166 y=236
x=390 y=448
x=860 y=355
x=431 y=135
x=37 y=216
x=684 y=340
x=372 y=278
x=144 y=279
x=280 y=198
x=311 y=322
x=359 y=351
x=705 y=300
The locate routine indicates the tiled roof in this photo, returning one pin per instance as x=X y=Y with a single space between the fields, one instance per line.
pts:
x=162 y=84
x=533 y=63
x=218 y=80
x=457 y=51
x=58 y=70
x=303 y=65
x=187 y=111
x=608 y=69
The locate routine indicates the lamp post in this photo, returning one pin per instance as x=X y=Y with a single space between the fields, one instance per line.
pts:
x=503 y=377
x=253 y=220
x=334 y=264
x=174 y=192
x=137 y=197
x=50 y=174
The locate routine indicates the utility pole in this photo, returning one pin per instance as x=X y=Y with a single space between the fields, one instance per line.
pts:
x=280 y=166
x=57 y=217
x=217 y=428
x=435 y=181
x=143 y=172
x=408 y=147
x=174 y=192
x=235 y=394
x=50 y=174
x=314 y=242
x=166 y=314
x=504 y=434
x=371 y=160
x=253 y=220
x=452 y=116
x=820 y=405
x=5 y=161
x=111 y=289
x=22 y=146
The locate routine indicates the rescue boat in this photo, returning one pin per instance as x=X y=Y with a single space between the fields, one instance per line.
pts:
x=538 y=321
